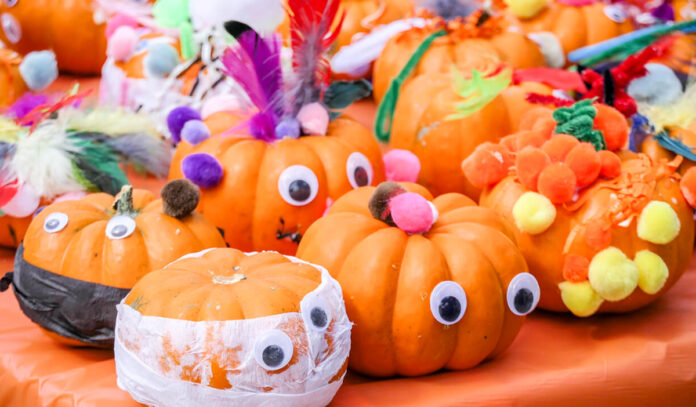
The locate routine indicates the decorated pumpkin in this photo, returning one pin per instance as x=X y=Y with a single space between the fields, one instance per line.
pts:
x=80 y=258
x=363 y=15
x=601 y=232
x=230 y=328
x=269 y=171
x=18 y=75
x=428 y=283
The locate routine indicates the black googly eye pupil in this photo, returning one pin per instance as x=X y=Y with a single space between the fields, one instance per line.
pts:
x=361 y=177
x=52 y=224
x=449 y=308
x=273 y=355
x=300 y=190
x=319 y=317
x=119 y=230
x=524 y=299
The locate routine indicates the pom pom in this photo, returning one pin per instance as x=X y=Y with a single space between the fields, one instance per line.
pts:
x=71 y=196
x=559 y=146
x=122 y=44
x=580 y=298
x=597 y=234
x=179 y=198
x=202 y=169
x=658 y=223
x=531 y=138
x=313 y=118
x=262 y=126
x=411 y=213
x=576 y=268
x=487 y=165
x=534 y=116
x=288 y=127
x=161 y=59
x=533 y=213
x=379 y=201
x=660 y=86
x=610 y=164
x=526 y=8
x=688 y=186
x=584 y=161
x=24 y=203
x=39 y=69
x=613 y=126
x=118 y=21
x=613 y=275
x=509 y=142
x=177 y=118
x=652 y=271
x=195 y=132
x=220 y=103
x=529 y=163
x=401 y=166
x=557 y=182
x=25 y=104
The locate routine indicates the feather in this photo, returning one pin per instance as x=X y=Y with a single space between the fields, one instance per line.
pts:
x=680 y=113
x=146 y=153
x=313 y=28
x=478 y=91
x=109 y=121
x=539 y=99
x=96 y=163
x=265 y=56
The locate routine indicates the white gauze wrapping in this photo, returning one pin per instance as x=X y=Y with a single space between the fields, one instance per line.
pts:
x=154 y=355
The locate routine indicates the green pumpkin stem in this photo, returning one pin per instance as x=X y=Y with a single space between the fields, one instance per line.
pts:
x=123 y=204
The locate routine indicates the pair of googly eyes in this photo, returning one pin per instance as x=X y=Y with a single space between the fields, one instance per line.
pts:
x=298 y=185
x=274 y=350
x=448 y=299
x=119 y=227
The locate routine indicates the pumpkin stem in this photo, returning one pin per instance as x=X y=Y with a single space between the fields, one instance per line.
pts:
x=180 y=198
x=379 y=201
x=123 y=204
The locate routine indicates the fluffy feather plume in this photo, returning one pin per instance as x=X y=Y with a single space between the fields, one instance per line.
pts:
x=109 y=121
x=313 y=30
x=680 y=113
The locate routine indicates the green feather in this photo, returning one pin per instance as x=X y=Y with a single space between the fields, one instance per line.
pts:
x=96 y=164
x=478 y=91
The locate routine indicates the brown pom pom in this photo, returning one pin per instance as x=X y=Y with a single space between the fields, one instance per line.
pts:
x=379 y=201
x=179 y=198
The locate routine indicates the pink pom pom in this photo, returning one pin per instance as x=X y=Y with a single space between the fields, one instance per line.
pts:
x=314 y=119
x=23 y=204
x=220 y=103
x=122 y=43
x=71 y=196
x=119 y=20
x=401 y=166
x=411 y=213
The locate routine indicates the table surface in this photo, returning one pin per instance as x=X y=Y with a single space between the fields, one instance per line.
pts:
x=645 y=358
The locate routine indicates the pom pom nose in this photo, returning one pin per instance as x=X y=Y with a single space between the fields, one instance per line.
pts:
x=122 y=43
x=177 y=118
x=401 y=166
x=39 y=69
x=412 y=213
x=313 y=118
x=202 y=169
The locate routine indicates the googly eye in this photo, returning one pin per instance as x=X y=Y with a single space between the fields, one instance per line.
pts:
x=119 y=227
x=523 y=294
x=359 y=170
x=448 y=302
x=615 y=13
x=274 y=350
x=55 y=222
x=316 y=311
x=298 y=185
x=11 y=3
x=11 y=27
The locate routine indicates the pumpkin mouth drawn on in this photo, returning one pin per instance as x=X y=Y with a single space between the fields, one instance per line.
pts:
x=281 y=233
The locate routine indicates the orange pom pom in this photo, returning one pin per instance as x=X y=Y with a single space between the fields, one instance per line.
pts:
x=530 y=138
x=545 y=126
x=559 y=146
x=597 y=235
x=557 y=182
x=530 y=162
x=688 y=186
x=532 y=116
x=584 y=161
x=576 y=268
x=611 y=164
x=487 y=165
x=613 y=125
x=510 y=142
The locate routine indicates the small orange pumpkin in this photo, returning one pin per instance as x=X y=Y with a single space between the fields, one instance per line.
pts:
x=12 y=85
x=233 y=328
x=449 y=294
x=92 y=251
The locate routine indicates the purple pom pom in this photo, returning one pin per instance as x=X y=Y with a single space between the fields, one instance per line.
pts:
x=25 y=104
x=664 y=12
x=288 y=127
x=195 y=132
x=202 y=169
x=178 y=117
x=262 y=127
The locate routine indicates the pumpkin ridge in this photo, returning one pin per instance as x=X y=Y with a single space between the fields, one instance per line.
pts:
x=97 y=228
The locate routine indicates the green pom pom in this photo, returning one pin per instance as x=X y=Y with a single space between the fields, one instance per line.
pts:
x=578 y=121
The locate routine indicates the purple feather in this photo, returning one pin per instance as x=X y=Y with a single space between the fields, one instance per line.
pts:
x=25 y=104
x=262 y=126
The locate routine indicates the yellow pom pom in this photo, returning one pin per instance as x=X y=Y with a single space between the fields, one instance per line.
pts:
x=526 y=8
x=613 y=275
x=658 y=223
x=652 y=271
x=533 y=213
x=580 y=298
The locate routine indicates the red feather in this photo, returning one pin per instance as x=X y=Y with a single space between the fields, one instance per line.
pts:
x=539 y=99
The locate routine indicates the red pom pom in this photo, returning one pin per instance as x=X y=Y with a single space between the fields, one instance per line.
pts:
x=559 y=146
x=611 y=164
x=613 y=125
x=688 y=186
x=584 y=161
x=530 y=138
x=530 y=162
x=575 y=268
x=598 y=235
x=557 y=182
x=487 y=165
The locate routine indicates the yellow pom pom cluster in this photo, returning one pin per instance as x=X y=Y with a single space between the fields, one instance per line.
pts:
x=533 y=213
x=580 y=298
x=658 y=223
x=652 y=271
x=613 y=275
x=526 y=8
